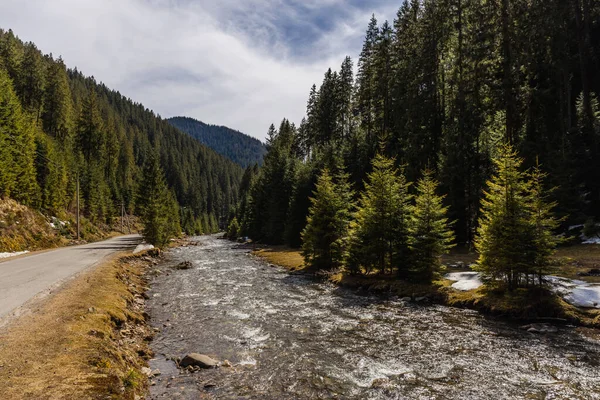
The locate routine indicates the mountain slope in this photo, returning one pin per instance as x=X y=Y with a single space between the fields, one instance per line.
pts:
x=56 y=125
x=235 y=145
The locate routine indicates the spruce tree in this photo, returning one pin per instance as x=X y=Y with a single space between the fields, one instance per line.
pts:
x=380 y=231
x=155 y=203
x=544 y=224
x=17 y=147
x=233 y=230
x=325 y=235
x=431 y=235
x=504 y=236
x=57 y=114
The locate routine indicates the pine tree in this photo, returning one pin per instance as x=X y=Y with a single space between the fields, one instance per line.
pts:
x=504 y=236
x=57 y=114
x=325 y=235
x=31 y=80
x=233 y=230
x=380 y=231
x=544 y=224
x=431 y=235
x=155 y=204
x=17 y=147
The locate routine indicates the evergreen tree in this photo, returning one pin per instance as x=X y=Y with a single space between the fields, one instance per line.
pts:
x=544 y=225
x=31 y=80
x=155 y=205
x=380 y=231
x=57 y=114
x=233 y=230
x=430 y=233
x=17 y=147
x=504 y=236
x=326 y=232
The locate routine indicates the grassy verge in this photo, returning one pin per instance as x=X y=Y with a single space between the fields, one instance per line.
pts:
x=89 y=340
x=518 y=305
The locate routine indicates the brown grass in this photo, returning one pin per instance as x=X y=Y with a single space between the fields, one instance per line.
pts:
x=86 y=341
x=285 y=257
x=22 y=228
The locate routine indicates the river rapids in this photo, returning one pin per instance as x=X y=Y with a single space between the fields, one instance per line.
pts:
x=289 y=336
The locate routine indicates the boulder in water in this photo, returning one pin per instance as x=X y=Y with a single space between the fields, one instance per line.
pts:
x=540 y=328
x=198 y=360
x=183 y=265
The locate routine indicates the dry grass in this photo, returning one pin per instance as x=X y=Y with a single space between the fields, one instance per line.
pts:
x=86 y=341
x=22 y=228
x=282 y=256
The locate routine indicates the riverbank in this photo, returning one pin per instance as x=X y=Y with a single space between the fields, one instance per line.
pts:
x=520 y=305
x=88 y=340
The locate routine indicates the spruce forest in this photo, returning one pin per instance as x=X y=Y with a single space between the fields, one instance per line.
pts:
x=238 y=147
x=57 y=125
x=469 y=122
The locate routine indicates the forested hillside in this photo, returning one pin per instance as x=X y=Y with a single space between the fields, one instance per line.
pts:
x=235 y=145
x=57 y=125
x=442 y=88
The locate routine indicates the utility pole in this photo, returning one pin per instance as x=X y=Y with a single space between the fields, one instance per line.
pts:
x=122 y=217
x=78 y=231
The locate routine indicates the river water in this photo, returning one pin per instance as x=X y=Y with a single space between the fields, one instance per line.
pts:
x=291 y=337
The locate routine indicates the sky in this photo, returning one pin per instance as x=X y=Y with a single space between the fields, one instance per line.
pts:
x=240 y=63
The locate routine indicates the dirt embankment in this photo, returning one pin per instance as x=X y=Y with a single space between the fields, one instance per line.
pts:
x=87 y=341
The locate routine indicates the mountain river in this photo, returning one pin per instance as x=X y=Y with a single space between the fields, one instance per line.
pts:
x=289 y=336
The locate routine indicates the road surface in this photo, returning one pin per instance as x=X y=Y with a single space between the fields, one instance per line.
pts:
x=23 y=278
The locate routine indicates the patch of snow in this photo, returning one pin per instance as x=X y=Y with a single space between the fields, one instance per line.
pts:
x=142 y=247
x=13 y=254
x=576 y=292
x=465 y=280
x=594 y=240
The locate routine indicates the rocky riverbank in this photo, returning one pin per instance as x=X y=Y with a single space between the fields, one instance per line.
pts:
x=520 y=305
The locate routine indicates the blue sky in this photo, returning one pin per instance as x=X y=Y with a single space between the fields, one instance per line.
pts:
x=240 y=63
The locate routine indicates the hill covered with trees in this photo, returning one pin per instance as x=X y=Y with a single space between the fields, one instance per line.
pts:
x=237 y=146
x=445 y=93
x=58 y=127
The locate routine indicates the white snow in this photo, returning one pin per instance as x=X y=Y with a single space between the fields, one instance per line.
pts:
x=13 y=254
x=465 y=280
x=142 y=247
x=576 y=292
x=594 y=240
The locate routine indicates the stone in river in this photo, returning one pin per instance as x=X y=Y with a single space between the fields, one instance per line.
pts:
x=198 y=360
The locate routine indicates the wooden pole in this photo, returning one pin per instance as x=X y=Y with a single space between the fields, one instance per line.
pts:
x=78 y=230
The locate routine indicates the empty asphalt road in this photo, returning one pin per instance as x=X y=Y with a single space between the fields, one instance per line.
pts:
x=23 y=278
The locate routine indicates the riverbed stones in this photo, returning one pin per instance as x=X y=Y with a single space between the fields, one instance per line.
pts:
x=183 y=265
x=540 y=328
x=198 y=360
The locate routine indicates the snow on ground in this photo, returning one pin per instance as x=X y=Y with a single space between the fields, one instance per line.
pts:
x=594 y=240
x=465 y=280
x=142 y=247
x=13 y=254
x=576 y=292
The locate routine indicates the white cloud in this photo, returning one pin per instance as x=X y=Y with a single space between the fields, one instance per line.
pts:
x=223 y=62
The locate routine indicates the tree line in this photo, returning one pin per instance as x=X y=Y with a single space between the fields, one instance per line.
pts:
x=58 y=126
x=445 y=88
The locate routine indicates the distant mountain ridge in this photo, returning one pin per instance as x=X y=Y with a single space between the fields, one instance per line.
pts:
x=237 y=146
